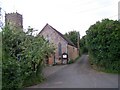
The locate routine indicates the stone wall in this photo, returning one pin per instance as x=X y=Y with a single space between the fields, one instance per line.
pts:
x=72 y=52
x=14 y=19
x=53 y=37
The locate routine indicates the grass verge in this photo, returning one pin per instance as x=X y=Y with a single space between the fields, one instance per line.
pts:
x=102 y=69
x=72 y=61
x=33 y=80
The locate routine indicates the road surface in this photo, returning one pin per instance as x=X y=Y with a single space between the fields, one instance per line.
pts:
x=79 y=75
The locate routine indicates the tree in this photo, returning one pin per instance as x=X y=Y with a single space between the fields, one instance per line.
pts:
x=103 y=42
x=83 y=46
x=74 y=36
x=23 y=57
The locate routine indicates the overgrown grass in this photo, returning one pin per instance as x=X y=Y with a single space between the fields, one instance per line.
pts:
x=72 y=61
x=33 y=80
x=102 y=69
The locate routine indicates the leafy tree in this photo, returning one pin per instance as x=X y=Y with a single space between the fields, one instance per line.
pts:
x=11 y=72
x=83 y=46
x=22 y=57
x=103 y=42
x=73 y=36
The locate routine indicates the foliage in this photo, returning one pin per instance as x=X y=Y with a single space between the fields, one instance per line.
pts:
x=73 y=36
x=83 y=46
x=10 y=66
x=23 y=57
x=103 y=42
x=71 y=61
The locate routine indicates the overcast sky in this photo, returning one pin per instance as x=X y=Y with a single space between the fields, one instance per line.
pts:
x=64 y=15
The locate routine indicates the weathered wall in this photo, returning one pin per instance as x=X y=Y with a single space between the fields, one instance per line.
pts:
x=72 y=52
x=15 y=19
x=51 y=60
x=49 y=34
x=53 y=37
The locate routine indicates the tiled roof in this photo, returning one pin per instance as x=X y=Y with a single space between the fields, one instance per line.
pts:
x=66 y=39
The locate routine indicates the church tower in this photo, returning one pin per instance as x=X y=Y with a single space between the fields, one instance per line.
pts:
x=14 y=19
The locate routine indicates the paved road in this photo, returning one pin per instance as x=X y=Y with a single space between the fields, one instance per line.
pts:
x=79 y=75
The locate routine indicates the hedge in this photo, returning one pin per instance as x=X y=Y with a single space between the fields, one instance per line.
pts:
x=22 y=58
x=103 y=42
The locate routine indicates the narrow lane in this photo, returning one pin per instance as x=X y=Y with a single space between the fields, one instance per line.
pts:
x=79 y=75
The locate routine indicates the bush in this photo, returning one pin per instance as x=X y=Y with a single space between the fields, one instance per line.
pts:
x=11 y=74
x=71 y=61
x=83 y=46
x=22 y=58
x=103 y=42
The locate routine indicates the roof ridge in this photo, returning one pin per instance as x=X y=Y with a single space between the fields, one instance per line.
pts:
x=65 y=38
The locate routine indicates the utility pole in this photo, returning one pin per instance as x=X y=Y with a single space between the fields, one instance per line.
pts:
x=78 y=43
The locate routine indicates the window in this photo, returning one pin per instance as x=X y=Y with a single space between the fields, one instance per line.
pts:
x=59 y=49
x=73 y=49
x=47 y=38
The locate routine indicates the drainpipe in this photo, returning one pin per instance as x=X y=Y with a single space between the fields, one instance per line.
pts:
x=54 y=59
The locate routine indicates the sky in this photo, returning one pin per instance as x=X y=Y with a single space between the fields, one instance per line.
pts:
x=63 y=15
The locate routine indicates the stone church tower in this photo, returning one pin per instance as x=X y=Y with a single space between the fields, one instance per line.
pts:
x=14 y=19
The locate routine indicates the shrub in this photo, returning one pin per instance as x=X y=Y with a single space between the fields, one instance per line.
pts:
x=83 y=46
x=103 y=42
x=22 y=58
x=70 y=61
x=11 y=74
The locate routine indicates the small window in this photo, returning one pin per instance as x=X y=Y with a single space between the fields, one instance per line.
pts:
x=73 y=49
x=47 y=38
x=59 y=49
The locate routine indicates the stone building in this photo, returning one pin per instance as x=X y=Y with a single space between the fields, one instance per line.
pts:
x=14 y=19
x=61 y=43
